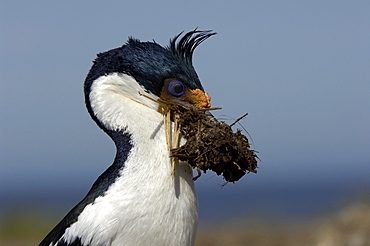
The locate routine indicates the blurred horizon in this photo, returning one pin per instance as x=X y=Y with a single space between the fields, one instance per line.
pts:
x=217 y=201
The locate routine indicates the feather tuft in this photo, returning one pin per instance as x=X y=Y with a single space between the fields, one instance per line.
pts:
x=184 y=48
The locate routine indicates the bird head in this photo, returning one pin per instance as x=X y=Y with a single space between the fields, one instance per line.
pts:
x=137 y=68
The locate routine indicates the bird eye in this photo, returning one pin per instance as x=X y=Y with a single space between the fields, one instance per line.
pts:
x=176 y=88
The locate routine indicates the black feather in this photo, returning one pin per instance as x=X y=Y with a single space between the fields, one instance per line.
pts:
x=184 y=48
x=76 y=242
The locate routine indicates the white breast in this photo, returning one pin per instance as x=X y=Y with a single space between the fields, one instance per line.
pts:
x=146 y=205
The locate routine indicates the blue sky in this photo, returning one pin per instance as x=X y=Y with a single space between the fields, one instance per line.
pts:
x=299 y=68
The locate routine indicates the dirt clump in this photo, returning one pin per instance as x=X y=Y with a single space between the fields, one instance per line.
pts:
x=212 y=145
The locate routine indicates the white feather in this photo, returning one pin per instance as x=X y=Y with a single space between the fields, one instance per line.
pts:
x=146 y=205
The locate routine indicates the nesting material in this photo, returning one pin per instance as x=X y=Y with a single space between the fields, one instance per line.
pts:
x=211 y=144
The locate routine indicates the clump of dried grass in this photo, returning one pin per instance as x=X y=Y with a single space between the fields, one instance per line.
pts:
x=211 y=144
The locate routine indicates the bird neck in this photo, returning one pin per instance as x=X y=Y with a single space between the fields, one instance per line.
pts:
x=155 y=206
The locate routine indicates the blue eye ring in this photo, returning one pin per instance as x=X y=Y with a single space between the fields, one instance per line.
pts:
x=176 y=88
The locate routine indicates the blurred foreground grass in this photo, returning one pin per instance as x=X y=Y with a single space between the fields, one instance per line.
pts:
x=349 y=226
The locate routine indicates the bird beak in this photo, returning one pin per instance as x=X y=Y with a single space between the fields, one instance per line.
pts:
x=199 y=98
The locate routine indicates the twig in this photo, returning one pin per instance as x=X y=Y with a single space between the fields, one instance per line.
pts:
x=238 y=119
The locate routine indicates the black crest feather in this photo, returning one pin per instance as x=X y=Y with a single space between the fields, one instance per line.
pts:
x=184 y=48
